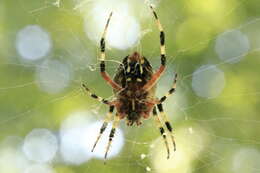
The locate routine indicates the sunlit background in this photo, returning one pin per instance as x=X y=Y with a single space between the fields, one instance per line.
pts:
x=48 y=48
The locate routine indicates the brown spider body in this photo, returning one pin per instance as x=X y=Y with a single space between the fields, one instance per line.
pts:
x=133 y=102
x=134 y=87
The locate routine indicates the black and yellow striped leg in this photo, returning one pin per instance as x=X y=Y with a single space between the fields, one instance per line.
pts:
x=167 y=123
x=162 y=131
x=95 y=96
x=111 y=135
x=102 y=41
x=104 y=125
x=161 y=69
x=171 y=91
x=162 y=37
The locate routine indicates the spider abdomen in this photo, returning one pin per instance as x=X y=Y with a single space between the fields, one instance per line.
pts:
x=133 y=109
x=134 y=103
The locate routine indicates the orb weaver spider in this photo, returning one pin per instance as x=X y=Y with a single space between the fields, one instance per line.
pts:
x=134 y=86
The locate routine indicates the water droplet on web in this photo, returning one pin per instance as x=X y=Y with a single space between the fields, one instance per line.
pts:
x=143 y=156
x=92 y=67
x=148 y=169
x=56 y=3
x=146 y=31
x=95 y=111
x=154 y=3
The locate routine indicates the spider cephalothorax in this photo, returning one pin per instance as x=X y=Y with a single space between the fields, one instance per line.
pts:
x=134 y=87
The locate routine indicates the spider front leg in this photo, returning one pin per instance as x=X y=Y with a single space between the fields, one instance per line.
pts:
x=167 y=123
x=103 y=72
x=160 y=71
x=104 y=125
x=95 y=96
x=162 y=131
x=171 y=91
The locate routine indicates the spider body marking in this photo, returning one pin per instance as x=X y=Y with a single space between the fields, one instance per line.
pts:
x=134 y=87
x=134 y=103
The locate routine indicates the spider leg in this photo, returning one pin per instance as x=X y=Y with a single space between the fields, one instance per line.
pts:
x=104 y=125
x=112 y=134
x=160 y=71
x=167 y=123
x=163 y=134
x=103 y=72
x=171 y=91
x=95 y=96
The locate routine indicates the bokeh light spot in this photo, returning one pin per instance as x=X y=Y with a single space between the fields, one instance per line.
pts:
x=208 y=81
x=246 y=160
x=40 y=145
x=253 y=33
x=40 y=168
x=74 y=138
x=187 y=151
x=53 y=76
x=123 y=31
x=12 y=159
x=33 y=42
x=232 y=46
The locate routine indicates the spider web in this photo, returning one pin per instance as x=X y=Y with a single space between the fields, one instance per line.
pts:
x=216 y=123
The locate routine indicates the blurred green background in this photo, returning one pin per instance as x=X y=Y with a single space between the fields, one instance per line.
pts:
x=49 y=47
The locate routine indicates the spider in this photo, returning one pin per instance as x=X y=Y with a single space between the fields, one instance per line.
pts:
x=134 y=86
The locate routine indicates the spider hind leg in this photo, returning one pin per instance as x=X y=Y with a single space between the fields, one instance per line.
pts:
x=171 y=91
x=104 y=126
x=162 y=131
x=167 y=124
x=111 y=135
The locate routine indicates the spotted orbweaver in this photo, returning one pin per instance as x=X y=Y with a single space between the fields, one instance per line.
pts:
x=134 y=87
